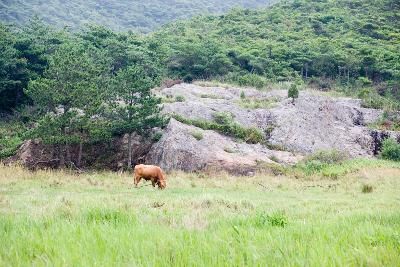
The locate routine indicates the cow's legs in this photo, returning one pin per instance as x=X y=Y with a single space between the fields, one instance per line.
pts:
x=137 y=180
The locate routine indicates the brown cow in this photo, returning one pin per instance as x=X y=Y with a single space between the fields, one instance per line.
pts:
x=150 y=173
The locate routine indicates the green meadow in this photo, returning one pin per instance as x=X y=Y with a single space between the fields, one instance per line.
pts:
x=55 y=218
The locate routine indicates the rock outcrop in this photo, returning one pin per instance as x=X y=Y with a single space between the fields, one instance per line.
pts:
x=179 y=149
x=313 y=122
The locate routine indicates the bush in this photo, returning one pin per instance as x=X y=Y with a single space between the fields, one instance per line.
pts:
x=363 y=81
x=328 y=156
x=390 y=150
x=180 y=98
x=366 y=188
x=252 y=80
x=242 y=95
x=277 y=219
x=188 y=78
x=157 y=136
x=223 y=118
x=293 y=92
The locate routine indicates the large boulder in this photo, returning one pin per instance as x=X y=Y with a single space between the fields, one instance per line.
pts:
x=188 y=148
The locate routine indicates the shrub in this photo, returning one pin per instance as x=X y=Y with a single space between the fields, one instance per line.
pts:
x=252 y=80
x=180 y=98
x=363 y=81
x=188 y=78
x=253 y=135
x=242 y=95
x=293 y=92
x=312 y=166
x=277 y=219
x=197 y=135
x=328 y=156
x=366 y=188
x=390 y=150
x=256 y=103
x=157 y=136
x=223 y=118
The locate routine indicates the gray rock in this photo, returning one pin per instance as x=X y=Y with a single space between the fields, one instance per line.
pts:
x=178 y=149
x=314 y=122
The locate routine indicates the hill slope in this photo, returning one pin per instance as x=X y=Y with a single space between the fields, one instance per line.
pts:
x=335 y=39
x=119 y=15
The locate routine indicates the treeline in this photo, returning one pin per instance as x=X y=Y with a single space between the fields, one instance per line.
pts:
x=346 y=40
x=122 y=15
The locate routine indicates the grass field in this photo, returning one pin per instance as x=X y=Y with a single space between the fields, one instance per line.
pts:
x=50 y=218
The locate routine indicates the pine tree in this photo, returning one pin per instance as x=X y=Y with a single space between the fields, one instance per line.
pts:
x=293 y=92
x=67 y=95
x=133 y=106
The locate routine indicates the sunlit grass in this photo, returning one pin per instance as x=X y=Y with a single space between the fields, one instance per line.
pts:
x=64 y=219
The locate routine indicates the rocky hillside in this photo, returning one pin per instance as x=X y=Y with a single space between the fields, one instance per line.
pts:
x=313 y=122
x=289 y=130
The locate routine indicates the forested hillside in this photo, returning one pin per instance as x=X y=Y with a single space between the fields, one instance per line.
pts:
x=351 y=46
x=116 y=14
x=341 y=39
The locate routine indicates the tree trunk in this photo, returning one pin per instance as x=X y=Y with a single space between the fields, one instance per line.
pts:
x=306 y=71
x=62 y=156
x=130 y=151
x=80 y=154
x=348 y=75
x=68 y=152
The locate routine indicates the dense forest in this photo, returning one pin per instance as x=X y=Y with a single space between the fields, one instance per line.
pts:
x=342 y=39
x=142 y=16
x=49 y=75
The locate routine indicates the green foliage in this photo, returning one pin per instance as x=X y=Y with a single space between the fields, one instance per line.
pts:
x=389 y=121
x=223 y=118
x=157 y=136
x=68 y=93
x=23 y=56
x=252 y=80
x=119 y=15
x=332 y=156
x=367 y=188
x=226 y=126
x=11 y=137
x=197 y=135
x=256 y=103
x=293 y=92
x=180 y=98
x=276 y=219
x=390 y=150
x=371 y=99
x=263 y=45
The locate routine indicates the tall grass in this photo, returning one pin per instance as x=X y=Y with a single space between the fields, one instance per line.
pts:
x=99 y=219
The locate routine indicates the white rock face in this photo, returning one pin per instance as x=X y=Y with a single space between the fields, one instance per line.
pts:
x=314 y=122
x=178 y=149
